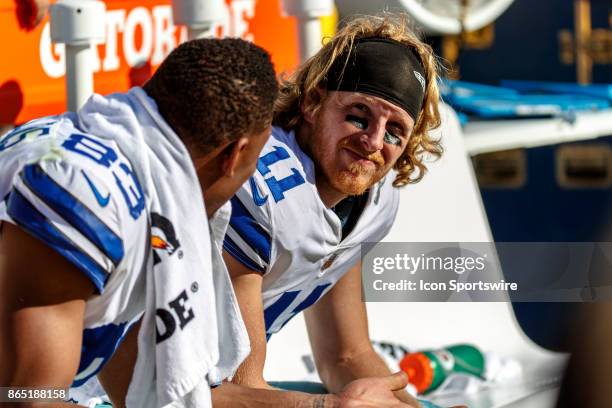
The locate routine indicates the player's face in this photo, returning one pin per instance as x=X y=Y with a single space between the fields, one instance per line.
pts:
x=356 y=140
x=243 y=166
x=246 y=162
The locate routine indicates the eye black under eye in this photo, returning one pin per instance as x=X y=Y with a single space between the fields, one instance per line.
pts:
x=361 y=123
x=392 y=139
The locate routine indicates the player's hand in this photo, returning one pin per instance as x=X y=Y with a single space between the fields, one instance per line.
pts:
x=374 y=392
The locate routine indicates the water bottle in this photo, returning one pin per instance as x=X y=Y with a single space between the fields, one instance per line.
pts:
x=428 y=369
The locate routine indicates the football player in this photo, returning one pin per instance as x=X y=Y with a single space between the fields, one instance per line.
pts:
x=77 y=220
x=350 y=128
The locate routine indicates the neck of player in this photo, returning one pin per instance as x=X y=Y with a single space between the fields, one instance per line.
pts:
x=328 y=194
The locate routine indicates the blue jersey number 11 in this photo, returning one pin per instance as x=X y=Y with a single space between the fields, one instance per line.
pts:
x=277 y=187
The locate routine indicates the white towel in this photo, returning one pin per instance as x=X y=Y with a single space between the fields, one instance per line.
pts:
x=177 y=370
x=234 y=343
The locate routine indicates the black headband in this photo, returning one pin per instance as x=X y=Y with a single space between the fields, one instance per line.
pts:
x=381 y=67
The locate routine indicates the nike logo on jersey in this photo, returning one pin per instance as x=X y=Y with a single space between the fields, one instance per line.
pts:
x=259 y=200
x=103 y=201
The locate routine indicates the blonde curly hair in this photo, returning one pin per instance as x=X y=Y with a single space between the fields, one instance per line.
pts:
x=305 y=85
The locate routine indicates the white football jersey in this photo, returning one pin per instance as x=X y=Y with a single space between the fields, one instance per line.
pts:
x=79 y=195
x=281 y=228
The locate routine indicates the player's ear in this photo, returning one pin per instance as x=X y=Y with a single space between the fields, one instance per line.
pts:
x=311 y=101
x=232 y=158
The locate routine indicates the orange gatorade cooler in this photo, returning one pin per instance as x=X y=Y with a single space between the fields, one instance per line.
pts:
x=139 y=34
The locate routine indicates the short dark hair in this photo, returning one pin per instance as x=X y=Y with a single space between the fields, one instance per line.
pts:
x=211 y=91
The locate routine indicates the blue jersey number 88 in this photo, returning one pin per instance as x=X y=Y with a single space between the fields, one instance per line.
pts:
x=105 y=156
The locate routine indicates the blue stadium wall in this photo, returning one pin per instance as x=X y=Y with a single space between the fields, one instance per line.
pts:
x=527 y=47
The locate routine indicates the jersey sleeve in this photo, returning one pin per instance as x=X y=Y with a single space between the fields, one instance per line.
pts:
x=249 y=234
x=73 y=211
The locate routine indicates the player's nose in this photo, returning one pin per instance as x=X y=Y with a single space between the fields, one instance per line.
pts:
x=372 y=140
